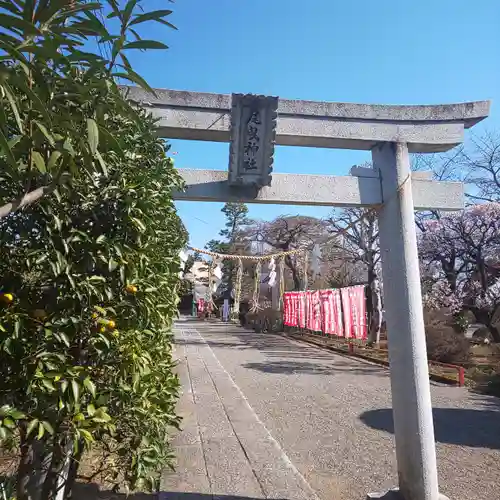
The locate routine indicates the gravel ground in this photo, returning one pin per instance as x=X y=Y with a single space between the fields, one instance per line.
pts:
x=332 y=417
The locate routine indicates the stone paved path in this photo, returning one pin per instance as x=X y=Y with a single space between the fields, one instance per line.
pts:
x=267 y=417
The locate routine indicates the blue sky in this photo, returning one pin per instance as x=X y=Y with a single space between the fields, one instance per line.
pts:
x=385 y=52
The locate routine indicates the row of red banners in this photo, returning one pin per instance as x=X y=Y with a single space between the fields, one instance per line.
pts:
x=334 y=312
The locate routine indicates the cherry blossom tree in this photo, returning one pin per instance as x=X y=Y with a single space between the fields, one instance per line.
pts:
x=460 y=259
x=289 y=233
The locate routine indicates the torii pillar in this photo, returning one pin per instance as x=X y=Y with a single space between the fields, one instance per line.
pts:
x=253 y=124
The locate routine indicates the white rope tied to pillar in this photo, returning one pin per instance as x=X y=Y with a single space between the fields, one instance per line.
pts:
x=217 y=276
x=256 y=289
x=272 y=272
x=237 y=290
x=183 y=257
x=282 y=282
x=211 y=284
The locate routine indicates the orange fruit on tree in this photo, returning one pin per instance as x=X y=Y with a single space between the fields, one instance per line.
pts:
x=7 y=297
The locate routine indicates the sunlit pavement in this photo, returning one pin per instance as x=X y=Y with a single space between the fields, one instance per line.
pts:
x=268 y=417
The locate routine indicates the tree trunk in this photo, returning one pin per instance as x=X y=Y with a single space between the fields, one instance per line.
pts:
x=485 y=318
x=55 y=483
x=73 y=470
x=495 y=332
x=33 y=196
x=61 y=484
x=24 y=468
x=32 y=469
x=295 y=275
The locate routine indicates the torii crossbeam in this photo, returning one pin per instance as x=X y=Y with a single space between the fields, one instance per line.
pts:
x=253 y=124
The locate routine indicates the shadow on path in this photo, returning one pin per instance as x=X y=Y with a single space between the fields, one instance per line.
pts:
x=458 y=426
x=270 y=344
x=283 y=354
x=291 y=367
x=91 y=492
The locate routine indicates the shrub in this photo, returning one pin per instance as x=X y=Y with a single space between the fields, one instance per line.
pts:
x=444 y=344
x=88 y=276
x=265 y=320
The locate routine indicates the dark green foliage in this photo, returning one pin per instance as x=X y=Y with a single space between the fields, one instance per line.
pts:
x=91 y=267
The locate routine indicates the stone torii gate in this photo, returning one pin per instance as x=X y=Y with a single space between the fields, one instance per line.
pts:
x=254 y=124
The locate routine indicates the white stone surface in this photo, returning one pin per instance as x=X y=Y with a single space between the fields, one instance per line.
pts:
x=204 y=116
x=411 y=397
x=321 y=190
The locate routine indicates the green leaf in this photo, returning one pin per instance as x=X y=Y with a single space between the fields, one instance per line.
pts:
x=4 y=145
x=64 y=385
x=102 y=163
x=90 y=386
x=37 y=102
x=135 y=78
x=101 y=416
x=39 y=161
x=41 y=431
x=48 y=384
x=13 y=105
x=67 y=146
x=86 y=435
x=156 y=15
x=9 y=423
x=91 y=410
x=45 y=132
x=139 y=223
x=53 y=159
x=127 y=12
x=100 y=239
x=3 y=433
x=125 y=61
x=64 y=338
x=14 y=141
x=25 y=27
x=75 y=386
x=17 y=415
x=5 y=410
x=145 y=45
x=78 y=417
x=31 y=426
x=92 y=135
x=97 y=278
x=100 y=310
x=48 y=427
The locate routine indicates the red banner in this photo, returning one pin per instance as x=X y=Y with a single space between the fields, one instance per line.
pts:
x=286 y=309
x=290 y=308
x=201 y=305
x=314 y=311
x=334 y=312
x=331 y=312
x=354 y=306
x=302 y=314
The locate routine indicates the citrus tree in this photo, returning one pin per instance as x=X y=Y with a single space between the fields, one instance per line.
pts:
x=58 y=62
x=89 y=272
